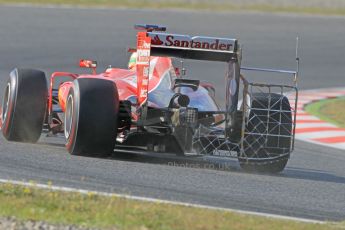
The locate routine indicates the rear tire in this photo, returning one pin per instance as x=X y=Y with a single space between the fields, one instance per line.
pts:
x=91 y=117
x=267 y=154
x=24 y=105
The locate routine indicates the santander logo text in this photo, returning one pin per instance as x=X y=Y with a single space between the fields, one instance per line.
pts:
x=156 y=41
x=182 y=41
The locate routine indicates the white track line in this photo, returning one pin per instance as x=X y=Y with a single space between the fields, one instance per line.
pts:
x=300 y=111
x=147 y=199
x=320 y=134
x=340 y=145
x=306 y=117
x=310 y=125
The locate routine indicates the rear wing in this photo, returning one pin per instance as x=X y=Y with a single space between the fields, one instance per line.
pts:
x=197 y=47
x=187 y=47
x=153 y=43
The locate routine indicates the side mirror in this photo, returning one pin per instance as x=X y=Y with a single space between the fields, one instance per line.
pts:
x=83 y=63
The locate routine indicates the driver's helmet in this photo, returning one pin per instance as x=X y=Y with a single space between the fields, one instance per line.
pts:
x=132 y=61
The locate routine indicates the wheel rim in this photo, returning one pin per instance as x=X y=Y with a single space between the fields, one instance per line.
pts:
x=6 y=102
x=69 y=116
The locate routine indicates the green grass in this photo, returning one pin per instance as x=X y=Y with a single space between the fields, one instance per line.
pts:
x=331 y=110
x=30 y=203
x=208 y=5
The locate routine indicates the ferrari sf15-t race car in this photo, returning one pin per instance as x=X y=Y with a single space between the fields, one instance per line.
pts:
x=153 y=107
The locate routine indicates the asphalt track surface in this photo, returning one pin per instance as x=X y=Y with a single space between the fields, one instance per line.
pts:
x=313 y=184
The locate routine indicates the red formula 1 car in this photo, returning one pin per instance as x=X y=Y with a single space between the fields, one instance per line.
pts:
x=152 y=107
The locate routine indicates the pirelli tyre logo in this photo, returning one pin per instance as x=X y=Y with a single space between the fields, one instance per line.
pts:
x=163 y=40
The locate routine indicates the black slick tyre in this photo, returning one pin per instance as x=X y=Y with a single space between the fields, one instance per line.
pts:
x=270 y=113
x=24 y=105
x=91 y=117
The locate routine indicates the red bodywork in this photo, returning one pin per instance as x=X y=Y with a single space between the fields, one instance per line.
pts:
x=136 y=84
x=125 y=80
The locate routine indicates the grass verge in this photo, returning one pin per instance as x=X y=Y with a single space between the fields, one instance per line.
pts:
x=192 y=5
x=331 y=110
x=29 y=203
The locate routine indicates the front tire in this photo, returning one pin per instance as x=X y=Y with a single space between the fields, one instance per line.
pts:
x=267 y=144
x=91 y=117
x=24 y=105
